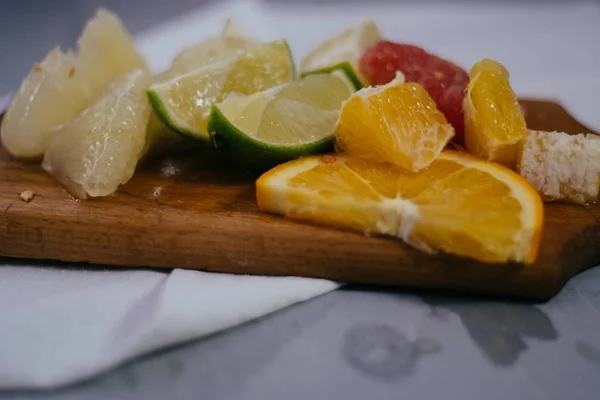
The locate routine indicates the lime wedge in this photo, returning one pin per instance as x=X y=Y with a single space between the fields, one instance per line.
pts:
x=342 y=51
x=184 y=102
x=280 y=124
x=232 y=39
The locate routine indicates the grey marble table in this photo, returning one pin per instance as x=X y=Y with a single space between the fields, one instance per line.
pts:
x=355 y=343
x=363 y=342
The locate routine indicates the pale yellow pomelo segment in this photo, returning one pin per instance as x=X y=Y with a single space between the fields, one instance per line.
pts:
x=98 y=151
x=347 y=45
x=184 y=102
x=106 y=50
x=294 y=113
x=63 y=85
x=397 y=123
x=47 y=98
x=459 y=205
x=232 y=39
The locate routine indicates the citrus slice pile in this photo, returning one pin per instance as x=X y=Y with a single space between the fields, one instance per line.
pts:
x=95 y=113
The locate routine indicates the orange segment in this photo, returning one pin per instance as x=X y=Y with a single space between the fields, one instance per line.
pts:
x=460 y=204
x=396 y=123
x=494 y=123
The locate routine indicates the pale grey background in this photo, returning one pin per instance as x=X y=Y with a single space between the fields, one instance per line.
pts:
x=29 y=28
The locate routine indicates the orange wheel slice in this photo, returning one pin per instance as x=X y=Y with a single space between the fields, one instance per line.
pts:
x=460 y=204
x=396 y=123
x=494 y=123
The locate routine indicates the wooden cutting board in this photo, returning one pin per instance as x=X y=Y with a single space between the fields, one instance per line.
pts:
x=194 y=212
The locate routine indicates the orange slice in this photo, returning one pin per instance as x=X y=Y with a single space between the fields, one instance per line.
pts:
x=460 y=204
x=494 y=123
x=396 y=123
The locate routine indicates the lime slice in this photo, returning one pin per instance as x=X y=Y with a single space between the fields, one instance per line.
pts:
x=98 y=150
x=63 y=84
x=184 y=102
x=342 y=51
x=280 y=124
x=232 y=39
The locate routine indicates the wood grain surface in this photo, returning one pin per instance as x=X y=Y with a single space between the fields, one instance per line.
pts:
x=193 y=211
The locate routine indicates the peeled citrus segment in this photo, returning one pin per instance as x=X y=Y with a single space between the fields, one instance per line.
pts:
x=494 y=123
x=98 y=150
x=343 y=50
x=396 y=123
x=106 y=50
x=459 y=205
x=46 y=99
x=62 y=85
x=282 y=123
x=232 y=39
x=184 y=102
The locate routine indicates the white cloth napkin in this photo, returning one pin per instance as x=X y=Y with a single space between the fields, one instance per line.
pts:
x=58 y=326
